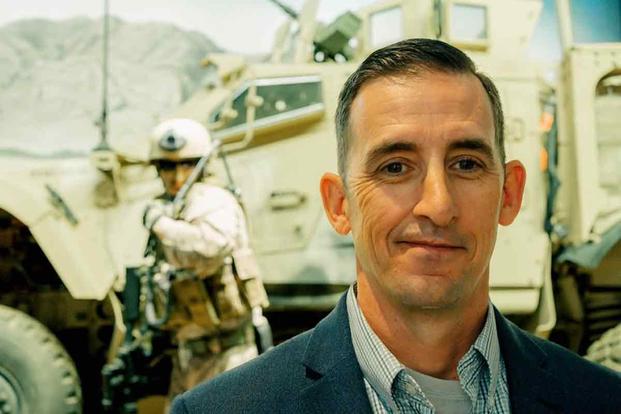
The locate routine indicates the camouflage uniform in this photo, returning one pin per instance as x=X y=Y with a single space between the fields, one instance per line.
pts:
x=216 y=286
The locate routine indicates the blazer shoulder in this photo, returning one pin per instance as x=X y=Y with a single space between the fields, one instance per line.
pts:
x=266 y=384
x=567 y=367
x=576 y=366
x=545 y=377
x=584 y=383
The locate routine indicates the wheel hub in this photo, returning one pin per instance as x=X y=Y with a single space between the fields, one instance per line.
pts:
x=9 y=394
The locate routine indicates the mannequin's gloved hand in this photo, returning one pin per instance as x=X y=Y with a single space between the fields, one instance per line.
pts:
x=155 y=210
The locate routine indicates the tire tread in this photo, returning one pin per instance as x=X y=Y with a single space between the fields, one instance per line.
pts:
x=31 y=331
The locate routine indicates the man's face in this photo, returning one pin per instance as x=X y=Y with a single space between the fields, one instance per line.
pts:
x=424 y=189
x=174 y=174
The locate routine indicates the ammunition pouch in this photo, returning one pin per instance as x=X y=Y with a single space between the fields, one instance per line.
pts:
x=193 y=304
x=249 y=278
x=229 y=302
x=212 y=304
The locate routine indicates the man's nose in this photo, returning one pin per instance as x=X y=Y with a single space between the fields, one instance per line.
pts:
x=436 y=201
x=179 y=176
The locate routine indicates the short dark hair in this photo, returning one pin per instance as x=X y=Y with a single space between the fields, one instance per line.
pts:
x=410 y=57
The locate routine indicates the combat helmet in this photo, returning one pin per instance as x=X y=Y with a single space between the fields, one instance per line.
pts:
x=179 y=139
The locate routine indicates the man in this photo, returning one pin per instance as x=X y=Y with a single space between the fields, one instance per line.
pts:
x=216 y=285
x=422 y=187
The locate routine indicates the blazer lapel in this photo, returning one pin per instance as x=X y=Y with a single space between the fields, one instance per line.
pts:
x=532 y=388
x=336 y=383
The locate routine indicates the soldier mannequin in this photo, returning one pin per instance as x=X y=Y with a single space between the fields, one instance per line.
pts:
x=217 y=291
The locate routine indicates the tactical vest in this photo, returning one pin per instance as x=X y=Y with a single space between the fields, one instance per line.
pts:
x=218 y=303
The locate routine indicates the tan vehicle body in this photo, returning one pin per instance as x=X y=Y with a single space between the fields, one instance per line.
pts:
x=277 y=162
x=60 y=201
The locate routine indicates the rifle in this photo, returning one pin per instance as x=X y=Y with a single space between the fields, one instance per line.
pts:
x=138 y=369
x=196 y=174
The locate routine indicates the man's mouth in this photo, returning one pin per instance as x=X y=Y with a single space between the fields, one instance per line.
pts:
x=430 y=244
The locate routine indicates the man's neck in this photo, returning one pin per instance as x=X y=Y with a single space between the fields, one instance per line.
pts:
x=429 y=341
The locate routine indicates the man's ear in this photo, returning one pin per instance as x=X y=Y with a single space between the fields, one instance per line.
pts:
x=334 y=198
x=512 y=192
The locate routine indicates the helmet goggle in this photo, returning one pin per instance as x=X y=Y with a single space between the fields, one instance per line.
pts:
x=169 y=165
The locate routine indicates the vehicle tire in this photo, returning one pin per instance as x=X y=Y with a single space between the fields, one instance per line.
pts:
x=607 y=349
x=36 y=373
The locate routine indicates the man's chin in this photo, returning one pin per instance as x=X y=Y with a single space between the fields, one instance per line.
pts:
x=428 y=304
x=429 y=292
x=172 y=191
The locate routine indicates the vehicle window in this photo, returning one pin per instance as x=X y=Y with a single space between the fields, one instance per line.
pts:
x=283 y=99
x=386 y=27
x=280 y=97
x=608 y=124
x=468 y=23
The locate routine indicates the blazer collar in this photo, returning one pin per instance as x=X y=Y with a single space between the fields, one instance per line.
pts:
x=336 y=381
x=532 y=387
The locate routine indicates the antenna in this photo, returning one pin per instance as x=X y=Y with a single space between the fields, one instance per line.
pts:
x=103 y=121
x=102 y=155
x=288 y=10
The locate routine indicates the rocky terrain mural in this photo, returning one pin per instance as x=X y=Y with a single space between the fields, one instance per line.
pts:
x=50 y=81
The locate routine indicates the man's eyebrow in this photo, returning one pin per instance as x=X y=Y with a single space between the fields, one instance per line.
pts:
x=386 y=149
x=475 y=144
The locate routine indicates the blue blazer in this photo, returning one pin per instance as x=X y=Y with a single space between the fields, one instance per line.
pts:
x=317 y=372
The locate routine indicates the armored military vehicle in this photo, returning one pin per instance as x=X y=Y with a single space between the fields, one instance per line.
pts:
x=275 y=120
x=585 y=224
x=71 y=227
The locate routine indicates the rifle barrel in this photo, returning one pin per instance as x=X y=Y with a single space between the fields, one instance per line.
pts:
x=194 y=176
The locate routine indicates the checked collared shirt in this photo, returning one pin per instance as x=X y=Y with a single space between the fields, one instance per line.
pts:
x=392 y=389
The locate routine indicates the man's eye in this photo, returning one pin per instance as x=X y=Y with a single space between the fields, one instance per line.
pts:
x=394 y=168
x=468 y=164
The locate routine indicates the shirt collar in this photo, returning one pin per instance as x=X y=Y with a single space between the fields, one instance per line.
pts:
x=380 y=367
x=487 y=348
